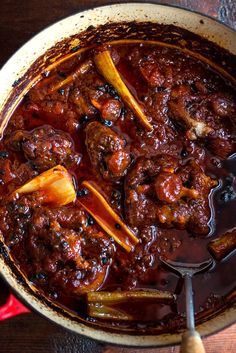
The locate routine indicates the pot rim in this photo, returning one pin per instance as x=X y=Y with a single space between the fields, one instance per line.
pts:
x=53 y=312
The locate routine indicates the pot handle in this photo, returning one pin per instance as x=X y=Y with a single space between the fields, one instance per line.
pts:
x=12 y=308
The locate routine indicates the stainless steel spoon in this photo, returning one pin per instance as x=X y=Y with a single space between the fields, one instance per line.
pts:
x=191 y=340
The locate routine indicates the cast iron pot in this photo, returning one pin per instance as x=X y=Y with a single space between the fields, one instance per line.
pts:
x=61 y=38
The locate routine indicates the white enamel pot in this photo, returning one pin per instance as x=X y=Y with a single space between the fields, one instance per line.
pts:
x=17 y=67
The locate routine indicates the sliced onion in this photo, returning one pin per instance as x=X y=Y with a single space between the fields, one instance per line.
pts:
x=110 y=222
x=108 y=305
x=55 y=185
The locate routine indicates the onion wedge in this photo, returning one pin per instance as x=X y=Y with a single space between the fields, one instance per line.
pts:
x=55 y=185
x=108 y=70
x=121 y=305
x=110 y=222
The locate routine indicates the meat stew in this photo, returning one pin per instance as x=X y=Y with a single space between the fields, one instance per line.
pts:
x=138 y=138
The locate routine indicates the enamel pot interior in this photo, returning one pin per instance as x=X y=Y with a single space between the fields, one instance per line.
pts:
x=55 y=38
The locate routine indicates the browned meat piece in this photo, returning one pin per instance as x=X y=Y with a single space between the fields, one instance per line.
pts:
x=161 y=191
x=64 y=93
x=156 y=68
x=15 y=217
x=66 y=250
x=81 y=99
x=107 y=151
x=109 y=108
x=6 y=171
x=23 y=173
x=17 y=211
x=169 y=188
x=140 y=208
x=138 y=267
x=157 y=75
x=45 y=147
x=163 y=67
x=179 y=110
x=152 y=74
x=14 y=174
x=73 y=260
x=67 y=217
x=210 y=115
x=17 y=121
x=223 y=106
x=222 y=143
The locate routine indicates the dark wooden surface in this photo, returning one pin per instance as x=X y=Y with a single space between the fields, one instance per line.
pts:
x=30 y=333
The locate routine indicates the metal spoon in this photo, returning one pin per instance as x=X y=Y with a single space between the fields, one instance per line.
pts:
x=191 y=340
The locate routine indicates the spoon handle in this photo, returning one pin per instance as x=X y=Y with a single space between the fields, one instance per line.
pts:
x=191 y=343
x=191 y=340
x=189 y=302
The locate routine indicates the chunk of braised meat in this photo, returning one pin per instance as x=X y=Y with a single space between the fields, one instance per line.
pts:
x=64 y=93
x=141 y=209
x=162 y=67
x=6 y=171
x=69 y=95
x=23 y=172
x=155 y=74
x=161 y=191
x=16 y=212
x=109 y=108
x=141 y=266
x=190 y=207
x=205 y=114
x=17 y=121
x=45 y=147
x=14 y=221
x=64 y=250
x=74 y=260
x=155 y=66
x=179 y=87
x=107 y=151
x=13 y=173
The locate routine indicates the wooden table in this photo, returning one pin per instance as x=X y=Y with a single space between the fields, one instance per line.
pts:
x=29 y=333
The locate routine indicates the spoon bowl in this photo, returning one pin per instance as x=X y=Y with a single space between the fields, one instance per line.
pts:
x=191 y=340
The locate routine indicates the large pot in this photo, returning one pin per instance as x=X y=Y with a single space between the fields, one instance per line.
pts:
x=17 y=67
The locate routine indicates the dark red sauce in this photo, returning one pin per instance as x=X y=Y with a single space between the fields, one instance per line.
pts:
x=124 y=161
